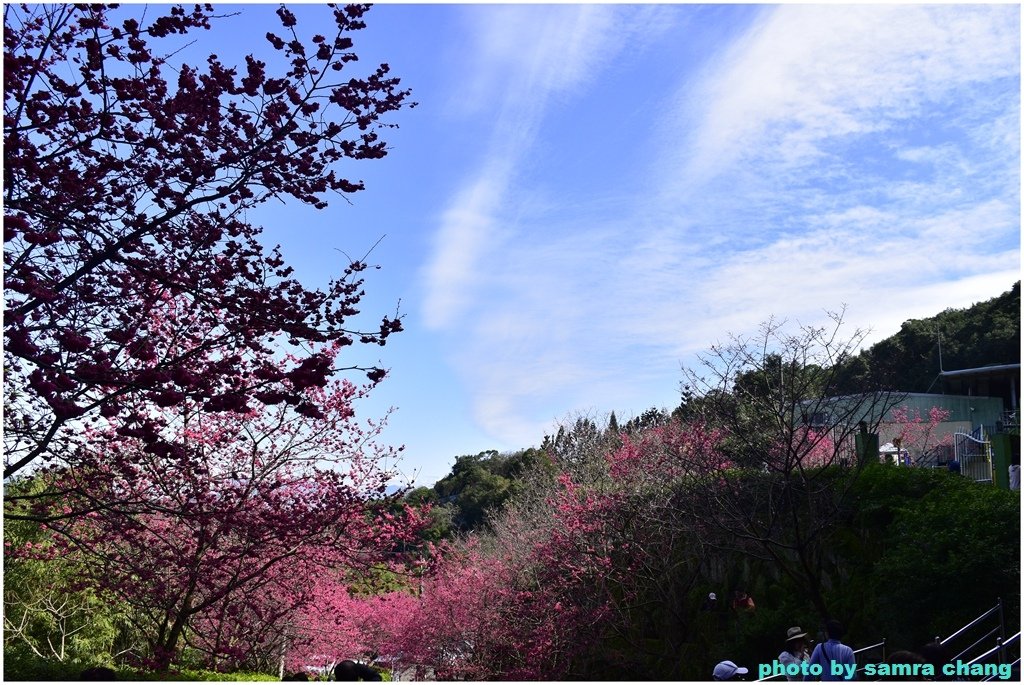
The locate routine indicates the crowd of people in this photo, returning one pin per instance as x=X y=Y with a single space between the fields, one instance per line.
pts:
x=831 y=660
x=828 y=660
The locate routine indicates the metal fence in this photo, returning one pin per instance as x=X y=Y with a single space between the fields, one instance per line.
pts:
x=973 y=452
x=973 y=630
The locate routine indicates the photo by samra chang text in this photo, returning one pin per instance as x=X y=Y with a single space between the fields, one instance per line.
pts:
x=956 y=669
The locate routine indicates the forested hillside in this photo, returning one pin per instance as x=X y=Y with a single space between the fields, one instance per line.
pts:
x=593 y=557
x=983 y=334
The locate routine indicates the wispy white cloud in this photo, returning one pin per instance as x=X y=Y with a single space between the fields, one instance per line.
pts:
x=465 y=229
x=866 y=156
x=522 y=59
x=809 y=74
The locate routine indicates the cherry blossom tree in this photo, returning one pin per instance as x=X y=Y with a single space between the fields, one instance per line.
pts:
x=234 y=507
x=566 y=573
x=470 y=619
x=339 y=623
x=917 y=433
x=306 y=615
x=127 y=177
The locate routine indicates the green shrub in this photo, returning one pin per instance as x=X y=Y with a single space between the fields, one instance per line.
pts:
x=196 y=674
x=20 y=664
x=926 y=551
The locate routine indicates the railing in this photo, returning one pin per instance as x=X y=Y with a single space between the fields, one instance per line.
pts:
x=999 y=651
x=937 y=456
x=998 y=630
x=777 y=676
x=877 y=645
x=974 y=454
x=1009 y=422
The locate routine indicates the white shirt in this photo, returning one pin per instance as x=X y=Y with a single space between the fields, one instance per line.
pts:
x=787 y=658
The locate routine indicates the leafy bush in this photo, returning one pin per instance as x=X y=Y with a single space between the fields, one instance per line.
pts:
x=925 y=552
x=20 y=664
x=949 y=557
x=50 y=619
x=196 y=675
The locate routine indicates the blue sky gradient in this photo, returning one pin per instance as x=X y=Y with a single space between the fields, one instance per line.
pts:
x=588 y=195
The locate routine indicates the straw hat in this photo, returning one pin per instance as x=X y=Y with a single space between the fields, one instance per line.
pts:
x=794 y=633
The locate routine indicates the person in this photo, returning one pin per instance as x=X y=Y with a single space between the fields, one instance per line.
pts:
x=1015 y=472
x=935 y=654
x=833 y=651
x=710 y=603
x=350 y=670
x=742 y=602
x=727 y=670
x=795 y=652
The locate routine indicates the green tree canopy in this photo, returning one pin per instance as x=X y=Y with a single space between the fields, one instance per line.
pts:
x=479 y=484
x=983 y=334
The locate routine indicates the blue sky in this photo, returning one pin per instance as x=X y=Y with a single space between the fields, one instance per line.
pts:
x=588 y=195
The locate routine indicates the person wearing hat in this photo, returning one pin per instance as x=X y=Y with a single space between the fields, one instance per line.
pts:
x=795 y=653
x=727 y=670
